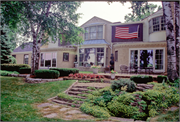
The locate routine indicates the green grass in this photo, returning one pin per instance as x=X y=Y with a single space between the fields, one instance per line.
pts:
x=172 y=116
x=18 y=98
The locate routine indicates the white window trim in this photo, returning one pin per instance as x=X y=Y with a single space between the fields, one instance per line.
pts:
x=103 y=33
x=95 y=55
x=44 y=60
x=154 y=70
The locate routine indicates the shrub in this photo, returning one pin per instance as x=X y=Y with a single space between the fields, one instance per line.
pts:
x=46 y=74
x=160 y=78
x=13 y=67
x=131 y=86
x=25 y=70
x=5 y=73
x=96 y=111
x=141 y=79
x=65 y=71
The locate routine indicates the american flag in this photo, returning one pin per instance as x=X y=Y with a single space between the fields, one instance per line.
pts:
x=127 y=32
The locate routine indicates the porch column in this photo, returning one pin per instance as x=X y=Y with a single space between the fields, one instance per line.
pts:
x=104 y=56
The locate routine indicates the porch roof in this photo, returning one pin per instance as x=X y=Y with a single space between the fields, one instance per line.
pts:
x=98 y=41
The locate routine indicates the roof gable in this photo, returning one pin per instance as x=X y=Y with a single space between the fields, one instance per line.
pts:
x=95 y=20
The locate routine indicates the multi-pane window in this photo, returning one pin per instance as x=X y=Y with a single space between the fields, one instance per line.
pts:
x=48 y=59
x=65 y=56
x=94 y=32
x=134 y=58
x=163 y=27
x=146 y=58
x=157 y=24
x=159 y=59
x=26 y=56
x=100 y=56
x=91 y=56
x=116 y=55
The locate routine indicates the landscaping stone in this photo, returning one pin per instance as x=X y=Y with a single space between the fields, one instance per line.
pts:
x=44 y=105
x=68 y=116
x=52 y=115
x=122 y=119
x=55 y=106
x=174 y=108
x=63 y=109
x=74 y=112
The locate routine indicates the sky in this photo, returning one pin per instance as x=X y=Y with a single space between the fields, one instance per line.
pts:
x=114 y=12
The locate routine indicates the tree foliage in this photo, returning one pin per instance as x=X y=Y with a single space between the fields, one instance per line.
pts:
x=140 y=10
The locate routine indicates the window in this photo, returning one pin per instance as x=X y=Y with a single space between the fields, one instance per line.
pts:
x=26 y=56
x=157 y=24
x=116 y=55
x=94 y=32
x=100 y=56
x=90 y=56
x=65 y=56
x=48 y=59
x=147 y=58
x=134 y=58
x=14 y=56
x=159 y=59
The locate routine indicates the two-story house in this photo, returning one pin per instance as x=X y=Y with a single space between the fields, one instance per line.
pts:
x=143 y=46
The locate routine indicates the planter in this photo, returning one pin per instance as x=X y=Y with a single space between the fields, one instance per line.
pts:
x=112 y=76
x=95 y=70
x=76 y=65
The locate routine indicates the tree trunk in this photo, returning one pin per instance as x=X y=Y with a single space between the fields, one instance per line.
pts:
x=171 y=41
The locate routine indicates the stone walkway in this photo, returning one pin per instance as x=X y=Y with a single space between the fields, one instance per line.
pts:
x=54 y=110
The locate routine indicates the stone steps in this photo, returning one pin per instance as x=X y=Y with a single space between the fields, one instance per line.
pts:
x=75 y=92
x=66 y=103
x=77 y=96
x=80 y=89
x=76 y=86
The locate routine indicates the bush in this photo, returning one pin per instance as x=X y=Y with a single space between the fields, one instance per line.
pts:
x=131 y=86
x=160 y=78
x=141 y=79
x=25 y=70
x=13 y=67
x=46 y=74
x=5 y=73
x=96 y=111
x=65 y=71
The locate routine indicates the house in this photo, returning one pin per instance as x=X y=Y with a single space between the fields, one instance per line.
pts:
x=145 y=48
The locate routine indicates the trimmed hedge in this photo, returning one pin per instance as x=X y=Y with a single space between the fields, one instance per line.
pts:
x=13 y=67
x=141 y=79
x=46 y=74
x=160 y=78
x=65 y=71
x=25 y=70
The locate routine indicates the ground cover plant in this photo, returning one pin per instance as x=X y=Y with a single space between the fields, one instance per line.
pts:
x=18 y=98
x=121 y=100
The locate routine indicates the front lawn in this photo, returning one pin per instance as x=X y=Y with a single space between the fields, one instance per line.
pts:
x=18 y=97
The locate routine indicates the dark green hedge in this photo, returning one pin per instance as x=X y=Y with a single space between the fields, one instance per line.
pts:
x=25 y=70
x=65 y=71
x=160 y=78
x=46 y=73
x=13 y=67
x=141 y=79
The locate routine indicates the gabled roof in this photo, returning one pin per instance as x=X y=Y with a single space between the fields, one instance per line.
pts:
x=27 y=47
x=97 y=41
x=93 y=18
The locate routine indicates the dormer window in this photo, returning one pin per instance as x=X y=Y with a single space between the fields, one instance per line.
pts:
x=93 y=32
x=157 y=24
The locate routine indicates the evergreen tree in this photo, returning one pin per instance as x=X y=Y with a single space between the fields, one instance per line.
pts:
x=6 y=50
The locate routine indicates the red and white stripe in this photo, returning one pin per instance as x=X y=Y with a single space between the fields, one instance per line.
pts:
x=123 y=33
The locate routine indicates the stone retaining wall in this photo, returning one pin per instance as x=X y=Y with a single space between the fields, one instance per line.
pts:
x=17 y=75
x=40 y=80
